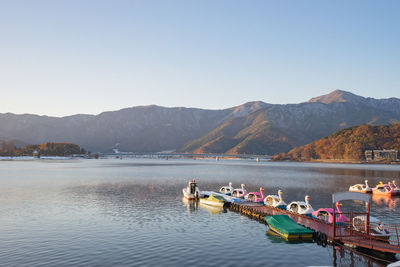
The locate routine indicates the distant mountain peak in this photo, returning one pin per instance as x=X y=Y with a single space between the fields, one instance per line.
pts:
x=337 y=96
x=247 y=108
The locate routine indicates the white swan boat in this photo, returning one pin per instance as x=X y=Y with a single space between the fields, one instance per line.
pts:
x=227 y=190
x=239 y=192
x=377 y=230
x=275 y=201
x=301 y=207
x=361 y=188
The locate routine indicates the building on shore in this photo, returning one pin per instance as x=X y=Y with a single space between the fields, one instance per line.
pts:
x=377 y=155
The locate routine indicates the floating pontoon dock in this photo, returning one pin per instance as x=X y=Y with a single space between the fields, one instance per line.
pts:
x=357 y=235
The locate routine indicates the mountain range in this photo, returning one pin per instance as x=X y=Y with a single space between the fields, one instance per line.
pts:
x=252 y=128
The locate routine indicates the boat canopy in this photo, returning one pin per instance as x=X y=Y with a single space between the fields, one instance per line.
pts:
x=214 y=196
x=350 y=196
x=284 y=224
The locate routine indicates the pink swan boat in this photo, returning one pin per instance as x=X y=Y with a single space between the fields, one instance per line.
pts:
x=326 y=214
x=394 y=186
x=385 y=190
x=255 y=196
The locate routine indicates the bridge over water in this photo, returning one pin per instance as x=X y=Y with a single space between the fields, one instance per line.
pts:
x=184 y=155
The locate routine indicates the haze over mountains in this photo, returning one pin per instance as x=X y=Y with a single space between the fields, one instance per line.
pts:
x=254 y=127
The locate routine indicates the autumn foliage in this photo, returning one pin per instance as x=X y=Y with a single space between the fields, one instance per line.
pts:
x=347 y=144
x=45 y=149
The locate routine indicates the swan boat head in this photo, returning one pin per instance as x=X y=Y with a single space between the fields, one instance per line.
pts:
x=239 y=192
x=227 y=190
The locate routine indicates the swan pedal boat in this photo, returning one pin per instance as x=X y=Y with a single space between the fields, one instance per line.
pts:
x=227 y=190
x=287 y=228
x=361 y=188
x=301 y=207
x=386 y=189
x=239 y=192
x=377 y=232
x=394 y=187
x=213 y=200
x=255 y=196
x=275 y=201
x=326 y=214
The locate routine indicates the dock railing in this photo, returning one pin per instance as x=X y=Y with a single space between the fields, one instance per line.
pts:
x=356 y=227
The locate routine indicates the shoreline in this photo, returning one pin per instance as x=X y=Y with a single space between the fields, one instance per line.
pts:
x=342 y=161
x=9 y=158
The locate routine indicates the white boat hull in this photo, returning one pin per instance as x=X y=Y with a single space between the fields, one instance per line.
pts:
x=190 y=196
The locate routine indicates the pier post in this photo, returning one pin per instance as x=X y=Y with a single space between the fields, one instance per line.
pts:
x=368 y=211
x=334 y=222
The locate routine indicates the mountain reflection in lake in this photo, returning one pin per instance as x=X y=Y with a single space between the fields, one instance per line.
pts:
x=131 y=212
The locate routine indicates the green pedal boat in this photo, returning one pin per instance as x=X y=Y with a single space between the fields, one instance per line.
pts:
x=213 y=200
x=287 y=228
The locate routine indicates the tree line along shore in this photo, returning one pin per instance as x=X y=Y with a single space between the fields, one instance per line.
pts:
x=45 y=149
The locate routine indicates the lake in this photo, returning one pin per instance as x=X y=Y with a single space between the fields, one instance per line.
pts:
x=130 y=212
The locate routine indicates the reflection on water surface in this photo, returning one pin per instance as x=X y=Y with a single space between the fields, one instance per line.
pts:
x=131 y=212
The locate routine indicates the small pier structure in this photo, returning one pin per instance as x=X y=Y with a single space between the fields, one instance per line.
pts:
x=353 y=233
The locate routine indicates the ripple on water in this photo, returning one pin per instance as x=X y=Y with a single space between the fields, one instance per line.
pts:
x=103 y=213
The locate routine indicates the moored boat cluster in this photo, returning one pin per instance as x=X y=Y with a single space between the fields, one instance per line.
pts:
x=240 y=200
x=389 y=189
x=227 y=194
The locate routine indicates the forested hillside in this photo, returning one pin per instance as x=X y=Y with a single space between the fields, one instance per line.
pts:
x=349 y=143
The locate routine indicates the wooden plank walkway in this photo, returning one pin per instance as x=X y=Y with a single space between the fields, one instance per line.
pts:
x=259 y=212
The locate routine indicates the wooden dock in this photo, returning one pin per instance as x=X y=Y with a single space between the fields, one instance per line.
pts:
x=259 y=212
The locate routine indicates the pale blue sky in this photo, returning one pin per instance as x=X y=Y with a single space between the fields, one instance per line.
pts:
x=76 y=56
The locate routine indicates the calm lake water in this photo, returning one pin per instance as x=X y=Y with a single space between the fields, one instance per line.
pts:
x=130 y=212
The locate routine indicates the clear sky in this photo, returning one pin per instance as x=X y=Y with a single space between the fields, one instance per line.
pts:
x=76 y=56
